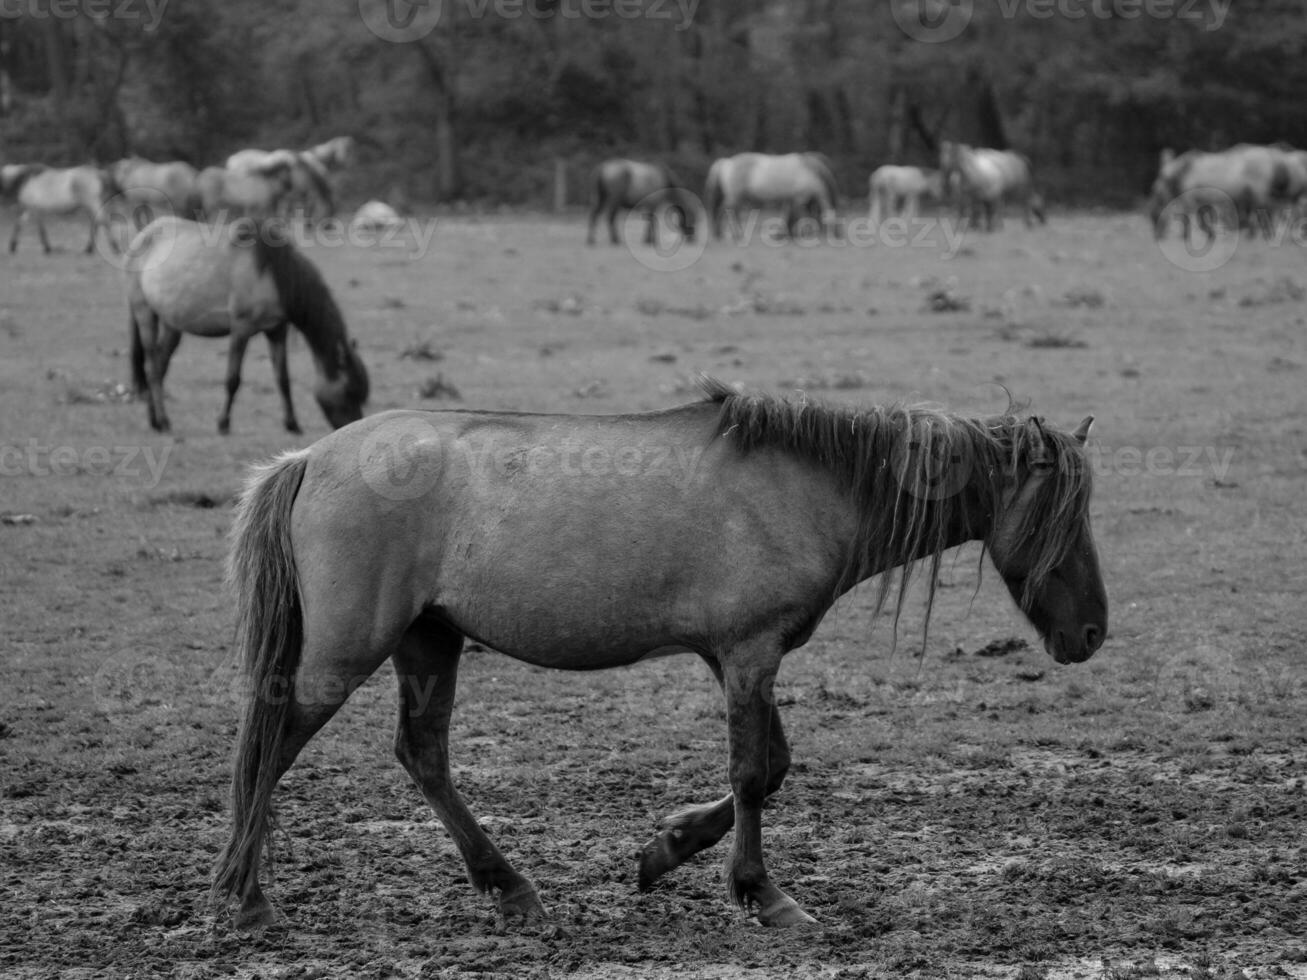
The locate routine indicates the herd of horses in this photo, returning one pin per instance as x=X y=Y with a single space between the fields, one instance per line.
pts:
x=252 y=183
x=336 y=569
x=977 y=180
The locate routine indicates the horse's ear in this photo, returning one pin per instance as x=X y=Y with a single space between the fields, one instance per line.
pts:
x=1082 y=430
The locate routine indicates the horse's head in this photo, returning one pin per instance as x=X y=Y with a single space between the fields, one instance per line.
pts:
x=1041 y=543
x=342 y=396
x=14 y=175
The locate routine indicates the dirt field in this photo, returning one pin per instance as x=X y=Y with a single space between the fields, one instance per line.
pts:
x=974 y=812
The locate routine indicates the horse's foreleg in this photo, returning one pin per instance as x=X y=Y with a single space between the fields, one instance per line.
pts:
x=749 y=674
x=594 y=220
x=426 y=666
x=690 y=831
x=40 y=230
x=235 y=355
x=18 y=230
x=651 y=227
x=281 y=371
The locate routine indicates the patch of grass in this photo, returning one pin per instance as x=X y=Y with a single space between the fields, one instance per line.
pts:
x=438 y=388
x=1055 y=341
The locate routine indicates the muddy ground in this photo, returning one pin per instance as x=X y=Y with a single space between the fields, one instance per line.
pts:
x=975 y=810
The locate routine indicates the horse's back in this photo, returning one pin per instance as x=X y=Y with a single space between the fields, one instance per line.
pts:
x=194 y=275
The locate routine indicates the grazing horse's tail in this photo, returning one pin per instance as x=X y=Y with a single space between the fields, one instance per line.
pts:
x=269 y=632
x=713 y=196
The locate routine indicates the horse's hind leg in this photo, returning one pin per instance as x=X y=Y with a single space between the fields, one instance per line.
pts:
x=235 y=355
x=426 y=666
x=281 y=370
x=18 y=230
x=688 y=832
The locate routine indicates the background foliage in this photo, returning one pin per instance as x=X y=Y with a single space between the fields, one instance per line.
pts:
x=482 y=107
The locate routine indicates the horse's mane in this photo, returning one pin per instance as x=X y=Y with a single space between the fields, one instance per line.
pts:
x=880 y=452
x=317 y=172
x=305 y=298
x=826 y=171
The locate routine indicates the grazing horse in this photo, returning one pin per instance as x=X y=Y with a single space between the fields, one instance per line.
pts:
x=1239 y=187
x=396 y=539
x=42 y=191
x=150 y=189
x=984 y=179
x=898 y=191
x=646 y=187
x=225 y=194
x=236 y=281
x=800 y=183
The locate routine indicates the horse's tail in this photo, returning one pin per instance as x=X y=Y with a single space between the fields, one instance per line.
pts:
x=140 y=383
x=269 y=633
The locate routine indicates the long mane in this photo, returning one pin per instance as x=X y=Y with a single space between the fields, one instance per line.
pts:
x=308 y=304
x=900 y=464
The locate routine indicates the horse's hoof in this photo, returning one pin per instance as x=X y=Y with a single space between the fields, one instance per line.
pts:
x=294 y=427
x=785 y=913
x=224 y=428
x=259 y=915
x=656 y=859
x=521 y=905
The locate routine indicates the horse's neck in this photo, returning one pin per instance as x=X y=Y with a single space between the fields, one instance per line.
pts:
x=963 y=519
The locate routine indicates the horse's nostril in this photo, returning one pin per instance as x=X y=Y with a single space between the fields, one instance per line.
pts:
x=1093 y=638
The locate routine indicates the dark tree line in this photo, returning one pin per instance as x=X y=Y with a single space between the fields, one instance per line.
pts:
x=482 y=106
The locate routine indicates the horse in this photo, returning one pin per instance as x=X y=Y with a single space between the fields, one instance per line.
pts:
x=335 y=154
x=310 y=191
x=243 y=279
x=644 y=187
x=150 y=189
x=1238 y=187
x=898 y=191
x=42 y=190
x=225 y=194
x=985 y=178
x=743 y=520
x=800 y=183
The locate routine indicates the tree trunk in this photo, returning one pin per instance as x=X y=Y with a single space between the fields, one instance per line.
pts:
x=448 y=176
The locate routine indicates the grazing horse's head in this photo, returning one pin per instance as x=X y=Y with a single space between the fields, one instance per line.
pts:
x=1041 y=543
x=343 y=395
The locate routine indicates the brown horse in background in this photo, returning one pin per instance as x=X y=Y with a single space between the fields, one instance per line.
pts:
x=42 y=191
x=649 y=188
